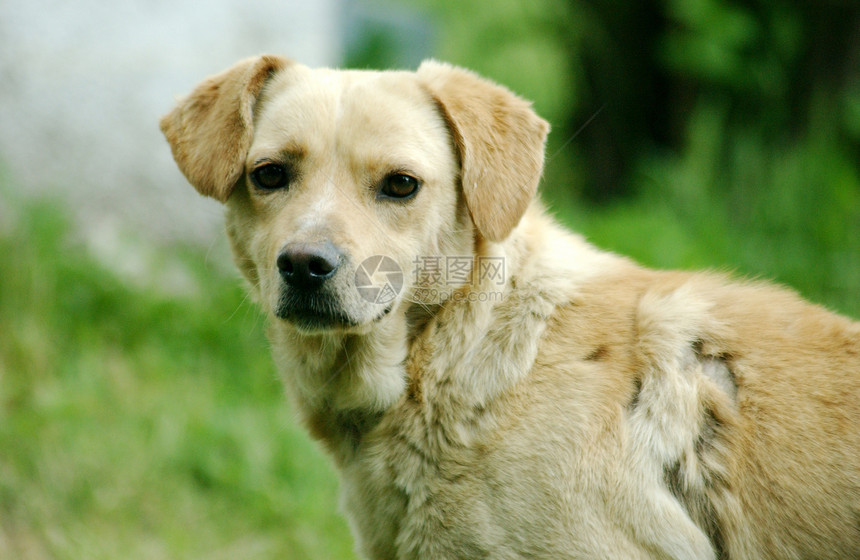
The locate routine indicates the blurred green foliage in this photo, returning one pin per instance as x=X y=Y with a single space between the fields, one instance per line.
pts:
x=138 y=424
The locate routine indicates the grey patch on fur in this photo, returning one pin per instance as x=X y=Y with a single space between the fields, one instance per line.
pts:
x=717 y=369
x=698 y=502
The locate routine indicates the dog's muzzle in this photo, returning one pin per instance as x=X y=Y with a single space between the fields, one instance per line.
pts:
x=309 y=297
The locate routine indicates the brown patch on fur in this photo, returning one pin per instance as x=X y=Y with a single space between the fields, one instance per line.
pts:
x=637 y=390
x=599 y=353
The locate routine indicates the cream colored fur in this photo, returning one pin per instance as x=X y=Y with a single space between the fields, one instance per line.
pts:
x=589 y=409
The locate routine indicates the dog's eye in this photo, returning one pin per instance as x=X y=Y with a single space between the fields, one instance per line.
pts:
x=399 y=185
x=270 y=177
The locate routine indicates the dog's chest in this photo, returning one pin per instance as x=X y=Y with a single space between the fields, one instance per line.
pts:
x=418 y=489
x=434 y=478
x=452 y=473
x=414 y=491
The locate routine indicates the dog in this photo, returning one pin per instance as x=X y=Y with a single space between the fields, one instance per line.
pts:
x=488 y=384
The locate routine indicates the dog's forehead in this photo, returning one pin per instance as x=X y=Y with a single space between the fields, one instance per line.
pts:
x=305 y=105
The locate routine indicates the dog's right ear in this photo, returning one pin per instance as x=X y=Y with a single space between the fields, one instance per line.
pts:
x=500 y=141
x=210 y=130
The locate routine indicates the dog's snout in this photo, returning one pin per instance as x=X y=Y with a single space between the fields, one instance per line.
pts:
x=308 y=265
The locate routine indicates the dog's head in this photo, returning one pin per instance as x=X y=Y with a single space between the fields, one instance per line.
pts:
x=338 y=182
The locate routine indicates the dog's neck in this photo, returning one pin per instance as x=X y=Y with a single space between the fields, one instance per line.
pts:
x=343 y=371
x=341 y=383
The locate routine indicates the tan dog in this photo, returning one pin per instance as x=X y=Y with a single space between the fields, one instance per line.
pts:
x=540 y=399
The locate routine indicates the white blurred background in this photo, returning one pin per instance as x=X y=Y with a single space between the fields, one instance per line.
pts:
x=83 y=83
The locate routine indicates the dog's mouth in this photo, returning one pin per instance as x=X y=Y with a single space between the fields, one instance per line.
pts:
x=318 y=312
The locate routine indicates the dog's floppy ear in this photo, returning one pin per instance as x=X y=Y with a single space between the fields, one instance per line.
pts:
x=500 y=140
x=210 y=130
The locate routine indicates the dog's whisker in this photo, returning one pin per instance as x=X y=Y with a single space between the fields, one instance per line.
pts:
x=239 y=306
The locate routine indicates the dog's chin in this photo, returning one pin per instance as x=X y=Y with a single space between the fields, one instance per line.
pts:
x=309 y=317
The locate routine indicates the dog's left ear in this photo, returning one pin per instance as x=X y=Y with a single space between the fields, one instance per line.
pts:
x=210 y=130
x=500 y=141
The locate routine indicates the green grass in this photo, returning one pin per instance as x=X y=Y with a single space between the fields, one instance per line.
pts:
x=135 y=424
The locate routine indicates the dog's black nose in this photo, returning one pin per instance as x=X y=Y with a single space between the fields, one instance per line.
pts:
x=307 y=265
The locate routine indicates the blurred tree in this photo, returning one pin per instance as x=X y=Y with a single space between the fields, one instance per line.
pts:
x=384 y=37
